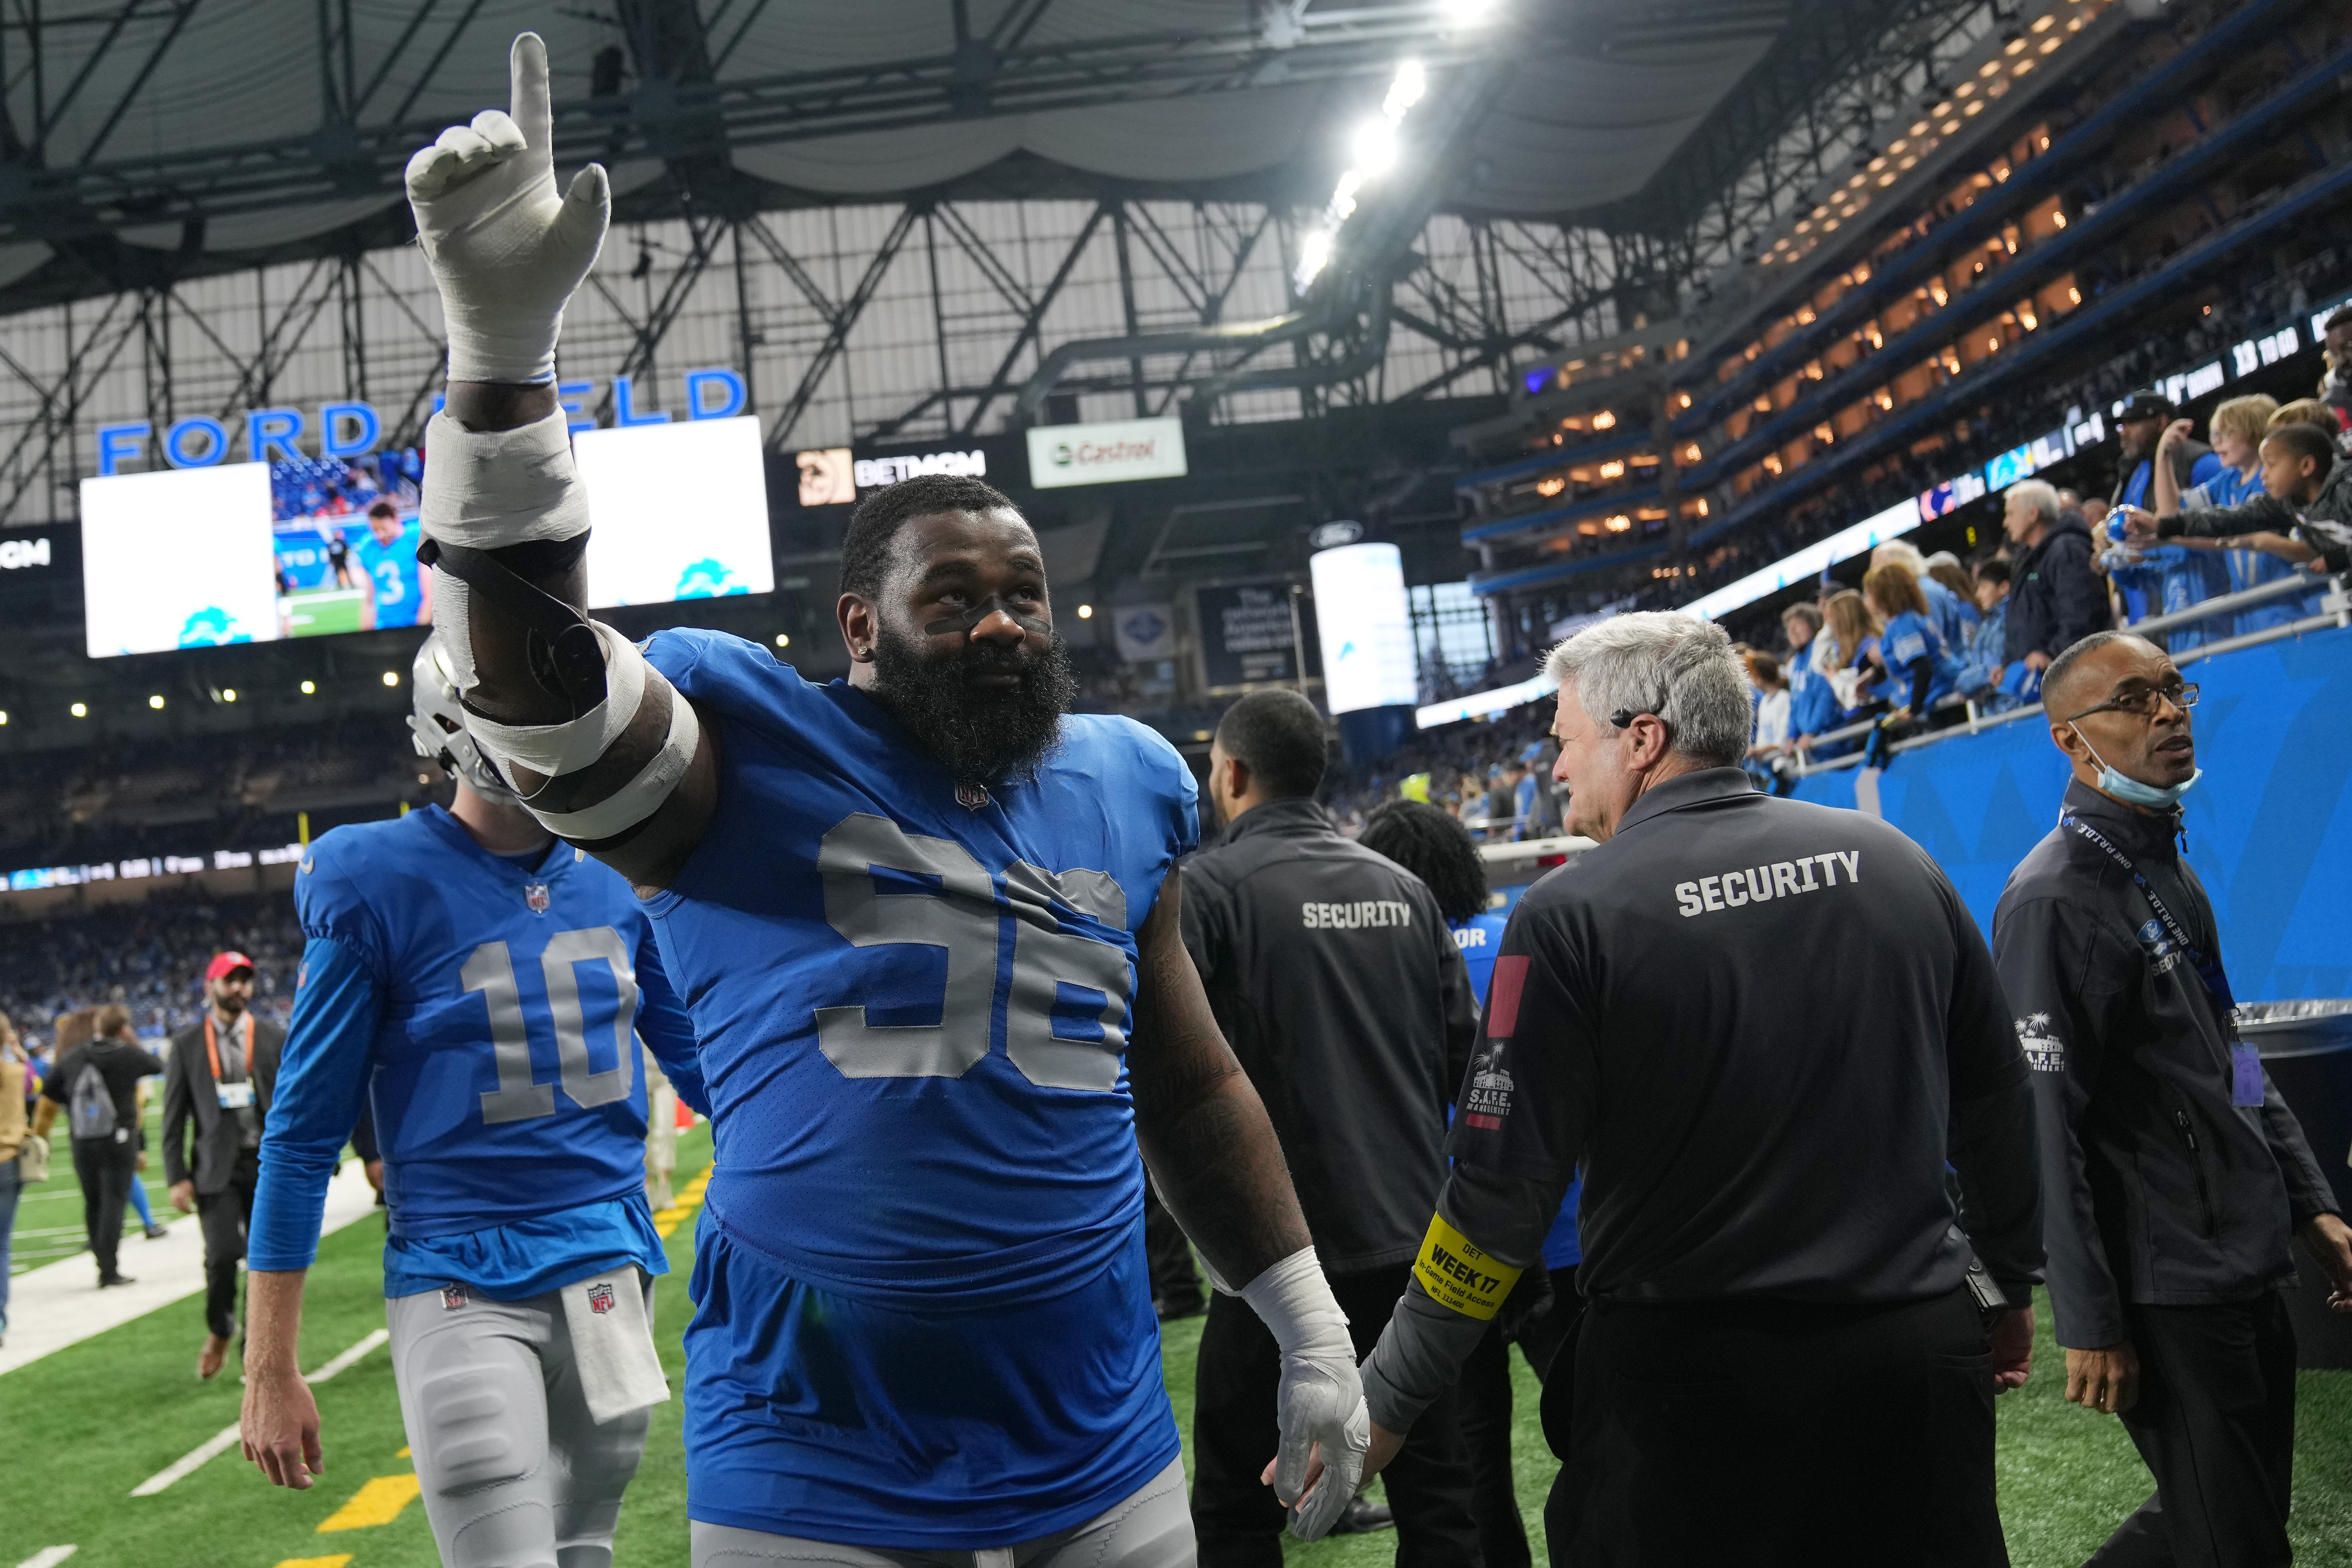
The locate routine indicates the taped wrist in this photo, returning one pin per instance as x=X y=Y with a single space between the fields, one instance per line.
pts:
x=1294 y=1302
x=485 y=489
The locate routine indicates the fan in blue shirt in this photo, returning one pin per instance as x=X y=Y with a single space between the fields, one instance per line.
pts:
x=1921 y=669
x=480 y=988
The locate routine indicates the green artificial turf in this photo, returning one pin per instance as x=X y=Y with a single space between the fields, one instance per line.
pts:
x=87 y=1425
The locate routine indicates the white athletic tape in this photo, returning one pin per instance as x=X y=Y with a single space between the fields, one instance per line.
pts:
x=558 y=749
x=452 y=623
x=642 y=796
x=488 y=488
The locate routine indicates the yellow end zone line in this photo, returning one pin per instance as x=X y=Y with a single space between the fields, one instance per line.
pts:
x=690 y=1199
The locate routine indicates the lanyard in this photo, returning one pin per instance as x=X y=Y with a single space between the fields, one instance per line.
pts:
x=211 y=1045
x=2208 y=970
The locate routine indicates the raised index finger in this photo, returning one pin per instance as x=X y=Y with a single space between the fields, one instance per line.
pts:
x=527 y=95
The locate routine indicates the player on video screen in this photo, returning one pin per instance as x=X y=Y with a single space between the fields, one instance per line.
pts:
x=402 y=590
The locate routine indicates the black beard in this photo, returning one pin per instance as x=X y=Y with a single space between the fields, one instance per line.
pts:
x=982 y=734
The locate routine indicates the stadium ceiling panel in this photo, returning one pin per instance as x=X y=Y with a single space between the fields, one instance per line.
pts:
x=148 y=140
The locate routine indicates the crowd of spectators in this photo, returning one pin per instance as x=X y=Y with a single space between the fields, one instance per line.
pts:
x=150 y=957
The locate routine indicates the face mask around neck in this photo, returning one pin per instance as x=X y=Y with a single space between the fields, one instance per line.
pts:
x=2130 y=790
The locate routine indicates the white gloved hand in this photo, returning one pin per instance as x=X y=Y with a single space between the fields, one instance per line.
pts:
x=506 y=250
x=1319 y=1408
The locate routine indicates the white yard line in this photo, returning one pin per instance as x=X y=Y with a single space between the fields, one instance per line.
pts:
x=48 y=1557
x=196 y=1457
x=59 y=1304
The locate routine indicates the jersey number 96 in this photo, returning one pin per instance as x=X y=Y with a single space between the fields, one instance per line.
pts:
x=1066 y=1002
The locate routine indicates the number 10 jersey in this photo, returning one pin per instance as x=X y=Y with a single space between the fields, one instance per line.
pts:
x=923 y=1318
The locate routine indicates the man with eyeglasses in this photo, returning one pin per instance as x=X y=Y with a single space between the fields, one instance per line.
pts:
x=2174 y=1178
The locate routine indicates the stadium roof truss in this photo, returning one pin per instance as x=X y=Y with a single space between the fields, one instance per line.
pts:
x=890 y=218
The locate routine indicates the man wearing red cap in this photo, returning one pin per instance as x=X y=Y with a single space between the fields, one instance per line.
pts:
x=218 y=1077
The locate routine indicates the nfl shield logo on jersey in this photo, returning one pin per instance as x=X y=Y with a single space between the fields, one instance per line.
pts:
x=600 y=1297
x=536 y=895
x=970 y=796
x=452 y=1298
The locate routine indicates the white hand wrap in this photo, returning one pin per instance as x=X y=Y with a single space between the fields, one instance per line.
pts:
x=1321 y=1405
x=558 y=749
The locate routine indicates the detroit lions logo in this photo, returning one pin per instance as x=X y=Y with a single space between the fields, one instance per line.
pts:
x=2045 y=1052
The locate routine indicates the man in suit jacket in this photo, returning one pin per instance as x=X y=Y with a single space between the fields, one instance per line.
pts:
x=218 y=1077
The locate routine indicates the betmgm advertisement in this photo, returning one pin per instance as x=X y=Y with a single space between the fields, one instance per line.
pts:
x=297 y=542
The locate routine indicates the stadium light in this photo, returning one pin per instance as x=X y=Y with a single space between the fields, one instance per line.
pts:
x=310 y=687
x=229 y=693
x=80 y=710
x=783 y=639
x=156 y=700
x=4 y=715
x=391 y=677
x=1374 y=150
x=1086 y=611
x=1467 y=12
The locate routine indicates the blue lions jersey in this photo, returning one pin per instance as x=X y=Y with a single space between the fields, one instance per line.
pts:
x=923 y=1314
x=488 y=1011
x=391 y=572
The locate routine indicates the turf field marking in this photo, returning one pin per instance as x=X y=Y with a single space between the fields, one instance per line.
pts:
x=204 y=1452
x=51 y=1556
x=689 y=1200
x=378 y=1502
x=337 y=1560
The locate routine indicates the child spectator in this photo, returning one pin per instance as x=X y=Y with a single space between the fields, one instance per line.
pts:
x=1922 y=666
x=1987 y=652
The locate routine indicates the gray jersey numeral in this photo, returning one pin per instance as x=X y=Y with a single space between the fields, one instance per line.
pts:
x=1060 y=981
x=490 y=970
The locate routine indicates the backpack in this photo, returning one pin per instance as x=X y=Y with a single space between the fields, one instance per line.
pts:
x=92 y=1111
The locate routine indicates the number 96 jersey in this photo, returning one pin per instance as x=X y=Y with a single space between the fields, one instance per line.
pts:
x=913 y=999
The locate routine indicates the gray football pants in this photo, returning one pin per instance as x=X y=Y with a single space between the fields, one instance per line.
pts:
x=515 y=1474
x=1152 y=1529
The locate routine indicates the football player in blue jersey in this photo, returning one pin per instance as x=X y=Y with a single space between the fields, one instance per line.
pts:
x=400 y=591
x=481 y=986
x=924 y=922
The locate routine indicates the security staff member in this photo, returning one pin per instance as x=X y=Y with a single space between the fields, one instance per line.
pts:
x=1334 y=977
x=1761 y=1028
x=218 y=1077
x=2177 y=1177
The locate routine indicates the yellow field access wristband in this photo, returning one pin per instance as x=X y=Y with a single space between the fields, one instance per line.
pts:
x=1460 y=1273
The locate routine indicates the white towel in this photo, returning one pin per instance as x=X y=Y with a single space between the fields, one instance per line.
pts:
x=612 y=1343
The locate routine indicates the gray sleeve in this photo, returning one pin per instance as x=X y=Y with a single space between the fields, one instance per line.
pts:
x=1421 y=1352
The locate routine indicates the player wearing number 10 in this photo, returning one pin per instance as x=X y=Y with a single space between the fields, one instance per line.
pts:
x=484 y=987
x=924 y=924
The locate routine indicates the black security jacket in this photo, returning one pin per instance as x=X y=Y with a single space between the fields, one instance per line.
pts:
x=1338 y=985
x=2158 y=1190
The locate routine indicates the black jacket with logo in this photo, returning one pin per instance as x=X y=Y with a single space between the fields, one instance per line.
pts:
x=1338 y=985
x=2160 y=1190
x=1762 y=1027
x=2055 y=600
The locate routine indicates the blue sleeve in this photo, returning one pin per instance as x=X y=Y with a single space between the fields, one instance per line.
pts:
x=322 y=1088
x=2204 y=468
x=663 y=1025
x=329 y=904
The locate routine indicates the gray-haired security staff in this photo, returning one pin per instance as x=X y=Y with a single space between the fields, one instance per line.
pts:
x=2177 y=1177
x=1761 y=1028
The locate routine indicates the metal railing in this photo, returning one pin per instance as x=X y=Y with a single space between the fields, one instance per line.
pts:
x=2336 y=611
